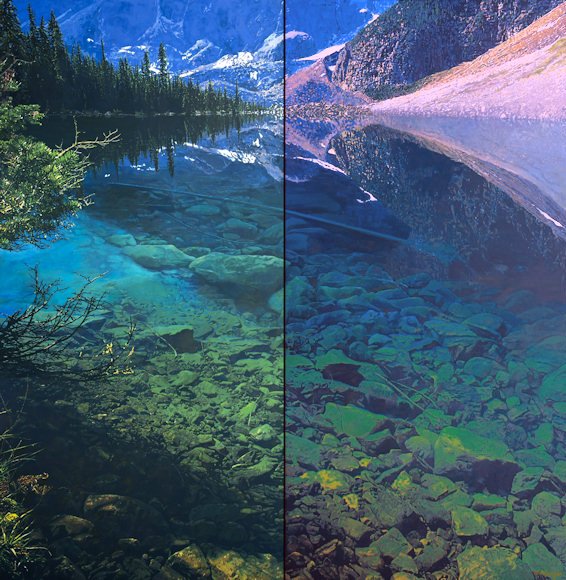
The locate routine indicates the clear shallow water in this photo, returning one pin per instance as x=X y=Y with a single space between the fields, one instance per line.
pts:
x=425 y=376
x=187 y=450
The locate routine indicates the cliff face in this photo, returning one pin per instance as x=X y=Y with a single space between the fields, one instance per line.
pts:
x=523 y=77
x=416 y=38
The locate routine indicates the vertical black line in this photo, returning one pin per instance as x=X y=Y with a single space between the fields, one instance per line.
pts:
x=284 y=551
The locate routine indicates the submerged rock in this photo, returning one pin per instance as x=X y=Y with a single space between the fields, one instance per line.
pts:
x=181 y=338
x=204 y=209
x=191 y=562
x=122 y=240
x=479 y=460
x=123 y=516
x=392 y=544
x=158 y=257
x=466 y=522
x=543 y=563
x=490 y=563
x=553 y=388
x=260 y=273
x=227 y=564
x=77 y=528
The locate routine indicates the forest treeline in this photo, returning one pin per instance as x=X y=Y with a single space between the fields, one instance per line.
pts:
x=60 y=78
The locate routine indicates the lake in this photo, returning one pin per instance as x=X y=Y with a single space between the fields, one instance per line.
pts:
x=183 y=445
x=426 y=361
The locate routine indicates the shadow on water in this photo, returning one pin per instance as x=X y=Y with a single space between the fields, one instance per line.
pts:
x=421 y=374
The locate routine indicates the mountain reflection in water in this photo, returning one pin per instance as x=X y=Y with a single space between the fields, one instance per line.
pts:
x=426 y=408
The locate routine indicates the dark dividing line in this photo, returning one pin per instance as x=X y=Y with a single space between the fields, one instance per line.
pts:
x=284 y=145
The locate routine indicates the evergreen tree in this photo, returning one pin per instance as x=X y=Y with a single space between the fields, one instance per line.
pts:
x=11 y=36
x=163 y=63
x=59 y=79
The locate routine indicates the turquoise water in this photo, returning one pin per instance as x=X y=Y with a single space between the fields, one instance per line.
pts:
x=181 y=449
x=426 y=368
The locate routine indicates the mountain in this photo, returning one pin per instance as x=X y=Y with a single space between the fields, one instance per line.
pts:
x=524 y=77
x=317 y=26
x=417 y=38
x=221 y=40
x=314 y=85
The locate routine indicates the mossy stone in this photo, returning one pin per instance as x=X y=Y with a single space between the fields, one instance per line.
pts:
x=476 y=563
x=543 y=563
x=546 y=504
x=354 y=529
x=420 y=446
x=404 y=563
x=329 y=479
x=459 y=451
x=553 y=387
x=483 y=502
x=544 y=434
x=526 y=481
x=467 y=522
x=392 y=544
x=351 y=420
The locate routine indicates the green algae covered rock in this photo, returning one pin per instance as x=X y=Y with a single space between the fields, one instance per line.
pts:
x=526 y=481
x=303 y=451
x=351 y=420
x=546 y=504
x=492 y=563
x=404 y=564
x=158 y=257
x=420 y=446
x=553 y=387
x=226 y=564
x=191 y=562
x=544 y=434
x=354 y=529
x=462 y=453
x=543 y=563
x=560 y=470
x=433 y=553
x=483 y=502
x=487 y=323
x=480 y=368
x=330 y=480
x=466 y=522
x=392 y=544
x=437 y=486
x=260 y=273
x=556 y=539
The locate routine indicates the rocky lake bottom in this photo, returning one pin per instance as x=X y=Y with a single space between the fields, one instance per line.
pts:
x=423 y=351
x=173 y=468
x=426 y=408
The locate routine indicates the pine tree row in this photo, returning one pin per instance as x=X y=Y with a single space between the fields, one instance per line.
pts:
x=60 y=79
